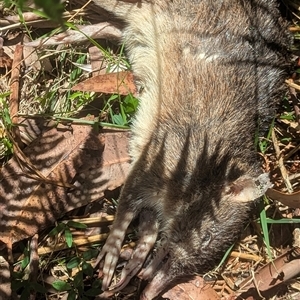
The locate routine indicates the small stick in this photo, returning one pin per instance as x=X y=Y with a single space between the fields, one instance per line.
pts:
x=295 y=103
x=290 y=83
x=245 y=256
x=14 y=96
x=78 y=242
x=281 y=164
x=33 y=264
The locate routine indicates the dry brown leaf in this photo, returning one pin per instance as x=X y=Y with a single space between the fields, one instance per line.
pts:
x=96 y=60
x=291 y=200
x=113 y=83
x=91 y=162
x=271 y=275
x=196 y=289
x=5 y=60
x=30 y=129
x=33 y=60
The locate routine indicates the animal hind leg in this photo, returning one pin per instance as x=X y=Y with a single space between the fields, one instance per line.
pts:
x=148 y=231
x=128 y=208
x=111 y=250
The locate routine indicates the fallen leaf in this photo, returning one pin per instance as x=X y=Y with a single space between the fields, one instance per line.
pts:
x=75 y=155
x=5 y=60
x=97 y=61
x=30 y=129
x=196 y=289
x=271 y=275
x=291 y=200
x=33 y=60
x=113 y=83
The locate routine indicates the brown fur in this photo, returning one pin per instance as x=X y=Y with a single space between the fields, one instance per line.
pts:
x=211 y=71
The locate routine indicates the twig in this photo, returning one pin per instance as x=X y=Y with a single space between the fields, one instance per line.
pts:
x=295 y=103
x=291 y=83
x=294 y=28
x=281 y=164
x=25 y=163
x=77 y=242
x=78 y=11
x=32 y=19
x=14 y=96
x=33 y=263
x=292 y=152
x=245 y=256
x=93 y=221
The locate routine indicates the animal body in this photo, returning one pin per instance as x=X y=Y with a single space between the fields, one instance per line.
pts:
x=210 y=73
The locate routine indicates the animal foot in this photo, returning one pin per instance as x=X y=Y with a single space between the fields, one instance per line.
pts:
x=161 y=252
